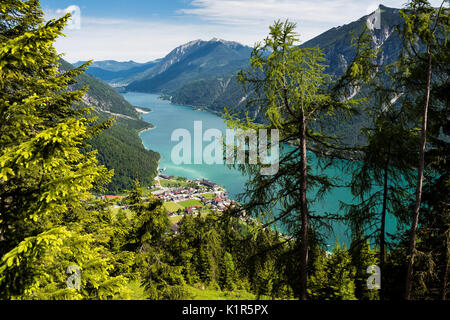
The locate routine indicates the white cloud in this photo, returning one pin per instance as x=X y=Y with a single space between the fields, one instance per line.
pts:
x=250 y=12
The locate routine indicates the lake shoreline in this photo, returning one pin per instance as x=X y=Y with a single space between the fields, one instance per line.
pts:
x=146 y=129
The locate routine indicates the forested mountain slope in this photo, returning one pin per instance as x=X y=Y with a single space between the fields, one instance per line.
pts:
x=119 y=147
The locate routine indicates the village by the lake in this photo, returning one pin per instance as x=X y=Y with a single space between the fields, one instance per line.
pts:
x=182 y=196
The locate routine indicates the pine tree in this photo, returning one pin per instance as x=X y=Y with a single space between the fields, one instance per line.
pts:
x=162 y=280
x=363 y=257
x=333 y=276
x=383 y=173
x=227 y=272
x=420 y=76
x=150 y=223
x=294 y=94
x=425 y=42
x=161 y=277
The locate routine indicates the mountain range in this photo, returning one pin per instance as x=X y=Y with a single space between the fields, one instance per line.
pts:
x=203 y=73
x=194 y=60
x=218 y=59
x=116 y=73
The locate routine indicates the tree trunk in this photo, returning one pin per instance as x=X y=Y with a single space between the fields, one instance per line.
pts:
x=446 y=267
x=304 y=245
x=383 y=223
x=415 y=222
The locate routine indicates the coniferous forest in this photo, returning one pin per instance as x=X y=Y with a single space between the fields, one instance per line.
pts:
x=60 y=151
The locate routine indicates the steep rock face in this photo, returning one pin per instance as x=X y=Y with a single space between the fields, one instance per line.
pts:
x=217 y=49
x=336 y=42
x=176 y=55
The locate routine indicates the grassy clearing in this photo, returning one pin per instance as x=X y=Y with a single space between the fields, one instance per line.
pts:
x=204 y=211
x=177 y=219
x=190 y=203
x=176 y=183
x=149 y=191
x=209 y=196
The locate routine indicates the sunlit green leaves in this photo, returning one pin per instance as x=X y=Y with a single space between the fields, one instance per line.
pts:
x=43 y=173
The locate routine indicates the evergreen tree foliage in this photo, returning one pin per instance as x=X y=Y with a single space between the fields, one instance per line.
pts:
x=333 y=277
x=423 y=74
x=227 y=272
x=362 y=257
x=383 y=170
x=295 y=94
x=43 y=173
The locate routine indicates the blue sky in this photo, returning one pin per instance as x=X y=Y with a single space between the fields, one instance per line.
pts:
x=135 y=9
x=144 y=30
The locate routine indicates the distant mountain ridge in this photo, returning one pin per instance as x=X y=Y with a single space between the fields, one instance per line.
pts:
x=196 y=59
x=114 y=72
x=192 y=61
x=112 y=65
x=201 y=73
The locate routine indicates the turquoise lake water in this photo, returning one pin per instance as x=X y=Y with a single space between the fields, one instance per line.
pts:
x=167 y=117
